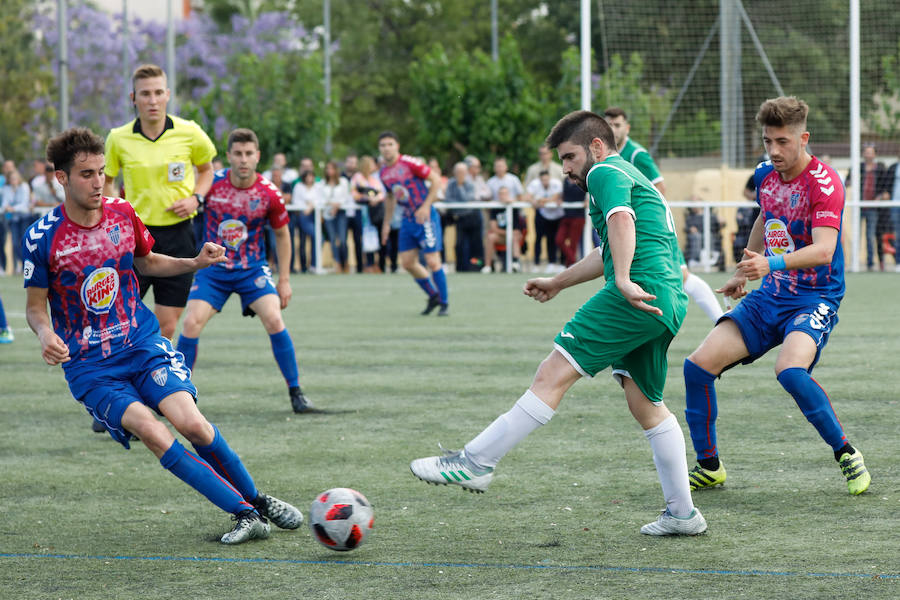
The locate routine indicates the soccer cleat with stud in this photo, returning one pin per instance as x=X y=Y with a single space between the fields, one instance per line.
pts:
x=666 y=524
x=298 y=401
x=445 y=310
x=6 y=335
x=701 y=478
x=854 y=469
x=281 y=513
x=433 y=303
x=249 y=525
x=453 y=467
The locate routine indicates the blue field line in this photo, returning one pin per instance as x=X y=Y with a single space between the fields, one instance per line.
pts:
x=364 y=563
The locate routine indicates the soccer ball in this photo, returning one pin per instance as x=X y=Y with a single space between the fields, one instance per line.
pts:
x=340 y=519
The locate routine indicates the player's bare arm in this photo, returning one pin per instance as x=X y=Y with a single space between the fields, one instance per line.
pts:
x=185 y=207
x=109 y=187
x=423 y=213
x=545 y=288
x=755 y=265
x=390 y=203
x=734 y=287
x=283 y=253
x=53 y=349
x=621 y=237
x=163 y=265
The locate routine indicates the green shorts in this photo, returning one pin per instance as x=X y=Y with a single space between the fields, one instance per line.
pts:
x=607 y=331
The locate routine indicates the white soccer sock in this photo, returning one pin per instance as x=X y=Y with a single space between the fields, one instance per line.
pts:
x=510 y=428
x=702 y=294
x=667 y=443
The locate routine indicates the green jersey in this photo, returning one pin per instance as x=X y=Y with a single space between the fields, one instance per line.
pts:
x=615 y=185
x=639 y=157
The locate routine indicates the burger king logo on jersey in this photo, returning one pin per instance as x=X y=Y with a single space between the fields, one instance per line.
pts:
x=778 y=240
x=232 y=233
x=99 y=290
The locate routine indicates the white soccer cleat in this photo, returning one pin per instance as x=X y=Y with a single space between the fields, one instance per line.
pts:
x=248 y=526
x=666 y=524
x=453 y=468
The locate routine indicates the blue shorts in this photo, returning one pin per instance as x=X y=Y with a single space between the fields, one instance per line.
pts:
x=764 y=321
x=146 y=373
x=426 y=237
x=214 y=285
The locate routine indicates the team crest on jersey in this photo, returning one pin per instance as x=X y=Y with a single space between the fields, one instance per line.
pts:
x=160 y=376
x=795 y=198
x=99 y=290
x=778 y=239
x=114 y=233
x=254 y=203
x=232 y=233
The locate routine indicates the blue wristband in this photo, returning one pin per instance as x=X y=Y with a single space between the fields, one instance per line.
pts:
x=776 y=263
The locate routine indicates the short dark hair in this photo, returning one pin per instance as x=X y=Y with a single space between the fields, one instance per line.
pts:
x=62 y=149
x=241 y=135
x=614 y=111
x=388 y=134
x=580 y=127
x=784 y=111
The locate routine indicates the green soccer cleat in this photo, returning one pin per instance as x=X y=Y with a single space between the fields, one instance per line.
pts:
x=6 y=335
x=453 y=468
x=701 y=478
x=854 y=469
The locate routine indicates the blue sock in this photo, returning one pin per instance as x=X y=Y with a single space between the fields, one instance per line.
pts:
x=814 y=403
x=440 y=280
x=283 y=349
x=3 y=323
x=197 y=473
x=701 y=409
x=188 y=347
x=228 y=464
x=425 y=284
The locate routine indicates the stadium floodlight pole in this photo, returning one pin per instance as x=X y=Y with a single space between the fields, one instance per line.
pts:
x=126 y=74
x=587 y=242
x=855 y=172
x=326 y=23
x=170 y=56
x=63 y=33
x=495 y=53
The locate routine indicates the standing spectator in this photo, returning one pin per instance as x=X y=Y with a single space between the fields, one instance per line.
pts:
x=503 y=179
x=447 y=217
x=406 y=180
x=571 y=226
x=157 y=153
x=277 y=179
x=873 y=176
x=545 y=163
x=47 y=192
x=469 y=240
x=335 y=198
x=6 y=332
x=304 y=198
x=546 y=195
x=496 y=235
x=288 y=174
x=367 y=191
x=307 y=165
x=892 y=192
x=354 y=215
x=17 y=208
x=483 y=191
x=39 y=173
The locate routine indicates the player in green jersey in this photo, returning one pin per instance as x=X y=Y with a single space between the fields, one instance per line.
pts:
x=627 y=325
x=696 y=288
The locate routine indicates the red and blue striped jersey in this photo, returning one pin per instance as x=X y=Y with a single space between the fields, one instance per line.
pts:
x=791 y=209
x=95 y=301
x=235 y=218
x=405 y=180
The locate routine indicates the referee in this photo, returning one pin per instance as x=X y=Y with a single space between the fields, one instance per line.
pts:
x=156 y=154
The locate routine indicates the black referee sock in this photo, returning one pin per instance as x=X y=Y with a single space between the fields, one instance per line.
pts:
x=845 y=449
x=710 y=464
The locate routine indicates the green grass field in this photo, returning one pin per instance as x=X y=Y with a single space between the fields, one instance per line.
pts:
x=82 y=518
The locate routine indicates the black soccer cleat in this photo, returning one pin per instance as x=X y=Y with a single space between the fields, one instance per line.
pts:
x=98 y=427
x=433 y=303
x=445 y=310
x=298 y=401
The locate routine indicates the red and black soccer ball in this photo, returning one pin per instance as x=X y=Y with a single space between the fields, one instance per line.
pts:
x=340 y=519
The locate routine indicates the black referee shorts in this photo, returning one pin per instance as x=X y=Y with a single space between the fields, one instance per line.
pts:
x=178 y=241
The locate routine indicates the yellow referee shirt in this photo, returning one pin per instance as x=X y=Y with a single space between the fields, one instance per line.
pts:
x=157 y=172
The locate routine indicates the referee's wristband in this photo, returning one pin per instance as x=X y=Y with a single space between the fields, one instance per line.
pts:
x=776 y=262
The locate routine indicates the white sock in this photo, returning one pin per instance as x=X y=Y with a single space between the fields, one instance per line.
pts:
x=510 y=428
x=667 y=443
x=702 y=294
